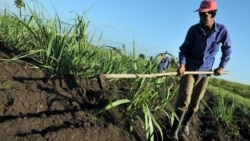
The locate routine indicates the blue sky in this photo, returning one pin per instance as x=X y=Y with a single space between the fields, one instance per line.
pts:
x=156 y=26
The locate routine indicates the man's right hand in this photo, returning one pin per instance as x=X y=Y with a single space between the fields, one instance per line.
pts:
x=181 y=70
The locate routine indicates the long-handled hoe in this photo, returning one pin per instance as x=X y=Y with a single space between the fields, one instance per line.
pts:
x=102 y=77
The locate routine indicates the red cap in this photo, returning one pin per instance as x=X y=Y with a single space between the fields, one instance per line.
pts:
x=207 y=5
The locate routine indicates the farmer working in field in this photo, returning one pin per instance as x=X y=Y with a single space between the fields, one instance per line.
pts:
x=197 y=53
x=165 y=61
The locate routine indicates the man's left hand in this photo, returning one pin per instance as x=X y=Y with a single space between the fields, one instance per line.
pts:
x=218 y=71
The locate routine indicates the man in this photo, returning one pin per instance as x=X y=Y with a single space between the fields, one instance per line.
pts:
x=197 y=53
x=165 y=61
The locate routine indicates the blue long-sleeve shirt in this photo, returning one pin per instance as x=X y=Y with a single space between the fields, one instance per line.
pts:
x=198 y=51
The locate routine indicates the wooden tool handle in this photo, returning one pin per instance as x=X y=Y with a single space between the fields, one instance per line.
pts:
x=154 y=74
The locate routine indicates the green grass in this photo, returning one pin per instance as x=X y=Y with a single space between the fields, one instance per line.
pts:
x=234 y=88
x=239 y=99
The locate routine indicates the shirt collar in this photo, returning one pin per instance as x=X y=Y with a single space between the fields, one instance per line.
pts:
x=215 y=27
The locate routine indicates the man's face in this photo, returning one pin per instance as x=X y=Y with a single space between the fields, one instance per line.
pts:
x=206 y=18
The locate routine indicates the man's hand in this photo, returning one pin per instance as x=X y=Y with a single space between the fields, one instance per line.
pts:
x=181 y=70
x=218 y=71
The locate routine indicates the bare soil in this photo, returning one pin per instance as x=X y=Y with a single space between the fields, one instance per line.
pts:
x=33 y=108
